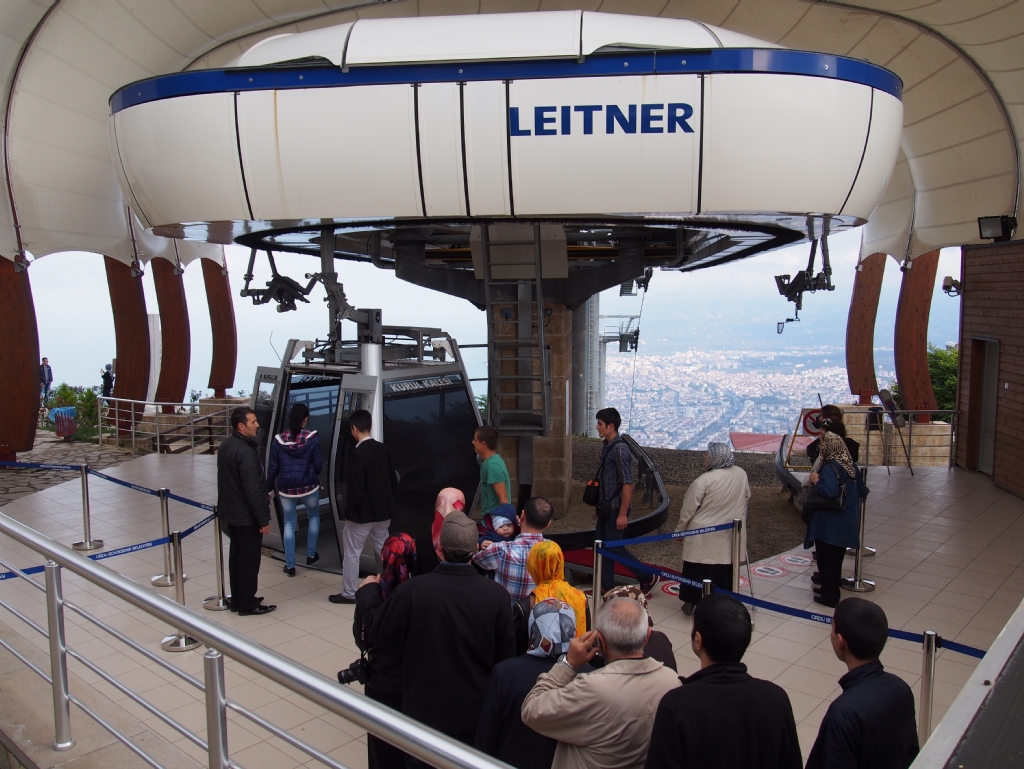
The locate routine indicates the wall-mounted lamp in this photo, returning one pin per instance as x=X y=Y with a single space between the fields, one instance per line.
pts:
x=951 y=286
x=996 y=228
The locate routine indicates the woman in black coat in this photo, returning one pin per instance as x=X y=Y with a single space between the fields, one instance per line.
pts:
x=399 y=558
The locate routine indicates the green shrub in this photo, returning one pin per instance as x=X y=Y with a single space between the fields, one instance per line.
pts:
x=85 y=401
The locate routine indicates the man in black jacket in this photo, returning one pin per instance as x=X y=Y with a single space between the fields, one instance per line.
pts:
x=372 y=483
x=445 y=630
x=244 y=509
x=872 y=723
x=721 y=717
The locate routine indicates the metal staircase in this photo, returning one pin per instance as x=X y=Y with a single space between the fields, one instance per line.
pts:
x=518 y=361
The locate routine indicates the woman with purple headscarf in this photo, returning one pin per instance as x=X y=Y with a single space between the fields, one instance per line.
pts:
x=717 y=496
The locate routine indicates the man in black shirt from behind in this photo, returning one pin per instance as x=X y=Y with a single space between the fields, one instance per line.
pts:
x=721 y=717
x=872 y=723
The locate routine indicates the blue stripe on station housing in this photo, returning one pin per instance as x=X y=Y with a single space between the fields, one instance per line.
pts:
x=691 y=62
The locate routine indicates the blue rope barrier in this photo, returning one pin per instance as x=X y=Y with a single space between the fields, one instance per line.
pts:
x=40 y=466
x=901 y=635
x=129 y=549
x=193 y=529
x=126 y=484
x=670 y=535
x=192 y=502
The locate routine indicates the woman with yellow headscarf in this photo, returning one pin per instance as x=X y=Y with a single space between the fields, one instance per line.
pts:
x=547 y=570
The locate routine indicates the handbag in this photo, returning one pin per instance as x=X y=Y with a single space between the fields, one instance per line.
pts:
x=592 y=493
x=815 y=501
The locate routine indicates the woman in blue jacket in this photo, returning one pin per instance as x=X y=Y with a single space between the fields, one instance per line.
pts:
x=830 y=532
x=295 y=465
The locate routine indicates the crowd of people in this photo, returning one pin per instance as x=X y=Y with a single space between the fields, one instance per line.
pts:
x=474 y=631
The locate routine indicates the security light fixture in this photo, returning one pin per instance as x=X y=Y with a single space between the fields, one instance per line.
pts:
x=996 y=228
x=951 y=286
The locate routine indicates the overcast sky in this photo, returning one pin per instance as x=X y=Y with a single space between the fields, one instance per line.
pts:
x=728 y=307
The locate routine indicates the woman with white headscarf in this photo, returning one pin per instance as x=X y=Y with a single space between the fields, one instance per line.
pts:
x=717 y=496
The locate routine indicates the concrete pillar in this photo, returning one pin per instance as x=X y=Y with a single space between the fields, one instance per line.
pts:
x=586 y=374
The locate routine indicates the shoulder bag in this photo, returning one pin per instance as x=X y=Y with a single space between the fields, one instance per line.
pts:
x=816 y=501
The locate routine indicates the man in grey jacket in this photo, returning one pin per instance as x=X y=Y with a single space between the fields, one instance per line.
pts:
x=244 y=510
x=602 y=719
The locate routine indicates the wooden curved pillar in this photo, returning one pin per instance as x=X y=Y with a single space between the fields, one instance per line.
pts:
x=131 y=335
x=860 y=327
x=222 y=324
x=911 y=345
x=175 y=339
x=19 y=362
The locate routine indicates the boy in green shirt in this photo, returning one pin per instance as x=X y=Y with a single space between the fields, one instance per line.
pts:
x=495 y=485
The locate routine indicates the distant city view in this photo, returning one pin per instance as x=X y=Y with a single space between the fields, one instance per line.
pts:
x=685 y=399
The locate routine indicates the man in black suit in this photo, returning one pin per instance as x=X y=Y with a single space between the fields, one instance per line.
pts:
x=372 y=483
x=442 y=633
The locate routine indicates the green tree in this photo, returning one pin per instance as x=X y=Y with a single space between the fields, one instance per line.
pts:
x=943 y=369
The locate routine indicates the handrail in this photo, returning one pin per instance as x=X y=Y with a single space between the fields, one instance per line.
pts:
x=405 y=733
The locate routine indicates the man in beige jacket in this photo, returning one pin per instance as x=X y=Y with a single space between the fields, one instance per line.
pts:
x=602 y=719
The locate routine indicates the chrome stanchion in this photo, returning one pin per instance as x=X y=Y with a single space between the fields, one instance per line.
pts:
x=216 y=710
x=708 y=589
x=218 y=602
x=856 y=583
x=180 y=641
x=598 y=573
x=924 y=710
x=866 y=552
x=737 y=530
x=58 y=659
x=87 y=543
x=169 y=577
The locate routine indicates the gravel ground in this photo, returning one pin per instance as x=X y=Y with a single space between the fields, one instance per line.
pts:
x=774 y=524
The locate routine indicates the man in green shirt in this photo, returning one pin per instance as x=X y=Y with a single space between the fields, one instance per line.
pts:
x=495 y=485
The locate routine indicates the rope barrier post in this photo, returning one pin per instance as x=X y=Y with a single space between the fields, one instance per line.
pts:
x=216 y=710
x=87 y=543
x=598 y=576
x=856 y=583
x=180 y=641
x=737 y=529
x=218 y=602
x=168 y=578
x=924 y=718
x=58 y=659
x=708 y=589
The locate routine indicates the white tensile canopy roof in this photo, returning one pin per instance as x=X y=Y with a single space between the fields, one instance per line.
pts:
x=961 y=61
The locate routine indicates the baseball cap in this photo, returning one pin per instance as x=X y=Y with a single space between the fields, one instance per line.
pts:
x=459 y=535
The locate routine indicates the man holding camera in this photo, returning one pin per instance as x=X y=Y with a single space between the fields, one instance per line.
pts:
x=604 y=718
x=444 y=631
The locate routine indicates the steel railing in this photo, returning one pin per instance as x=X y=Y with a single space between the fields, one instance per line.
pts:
x=405 y=733
x=159 y=426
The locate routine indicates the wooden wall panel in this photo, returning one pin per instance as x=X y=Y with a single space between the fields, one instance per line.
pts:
x=131 y=330
x=992 y=307
x=19 y=362
x=175 y=338
x=911 y=343
x=860 y=327
x=222 y=324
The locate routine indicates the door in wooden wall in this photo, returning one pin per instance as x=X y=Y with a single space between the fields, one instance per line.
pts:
x=983 y=401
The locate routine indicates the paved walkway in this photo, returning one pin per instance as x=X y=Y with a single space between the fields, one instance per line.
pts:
x=49 y=449
x=950 y=547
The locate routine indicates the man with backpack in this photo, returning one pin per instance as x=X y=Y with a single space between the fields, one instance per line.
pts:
x=615 y=496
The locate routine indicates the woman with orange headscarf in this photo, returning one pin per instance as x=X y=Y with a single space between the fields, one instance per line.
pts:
x=547 y=570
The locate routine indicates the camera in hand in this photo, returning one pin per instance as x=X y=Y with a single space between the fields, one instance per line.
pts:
x=357 y=672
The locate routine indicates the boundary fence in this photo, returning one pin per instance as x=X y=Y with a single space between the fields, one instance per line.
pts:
x=192 y=631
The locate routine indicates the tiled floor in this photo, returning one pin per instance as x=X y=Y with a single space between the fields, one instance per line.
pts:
x=950 y=547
